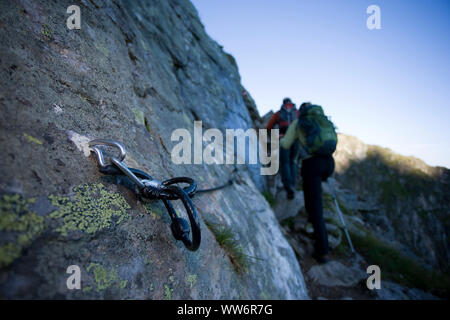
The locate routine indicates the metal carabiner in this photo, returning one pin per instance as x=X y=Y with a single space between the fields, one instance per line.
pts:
x=153 y=189
x=106 y=142
x=128 y=173
x=116 y=161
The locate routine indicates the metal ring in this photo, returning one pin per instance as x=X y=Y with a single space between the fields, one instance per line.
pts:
x=190 y=190
x=193 y=244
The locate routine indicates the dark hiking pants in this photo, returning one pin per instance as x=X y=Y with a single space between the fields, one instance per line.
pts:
x=315 y=170
x=288 y=166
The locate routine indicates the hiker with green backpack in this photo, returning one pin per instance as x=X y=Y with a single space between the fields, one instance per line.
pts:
x=318 y=140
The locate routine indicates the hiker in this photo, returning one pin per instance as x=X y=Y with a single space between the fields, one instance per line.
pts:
x=288 y=157
x=317 y=137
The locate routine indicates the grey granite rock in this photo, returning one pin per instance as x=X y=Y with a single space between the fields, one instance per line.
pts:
x=134 y=72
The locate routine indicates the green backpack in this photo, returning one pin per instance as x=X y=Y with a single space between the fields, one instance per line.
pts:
x=320 y=132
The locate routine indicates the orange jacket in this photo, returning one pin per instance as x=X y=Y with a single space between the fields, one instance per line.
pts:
x=282 y=124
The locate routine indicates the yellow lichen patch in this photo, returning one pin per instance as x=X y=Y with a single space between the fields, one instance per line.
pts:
x=83 y=98
x=92 y=208
x=23 y=224
x=8 y=253
x=139 y=116
x=167 y=292
x=46 y=31
x=32 y=139
x=192 y=280
x=156 y=213
x=105 y=279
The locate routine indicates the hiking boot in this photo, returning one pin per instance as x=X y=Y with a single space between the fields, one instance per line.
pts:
x=320 y=258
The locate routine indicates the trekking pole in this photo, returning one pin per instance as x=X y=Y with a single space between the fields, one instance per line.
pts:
x=341 y=216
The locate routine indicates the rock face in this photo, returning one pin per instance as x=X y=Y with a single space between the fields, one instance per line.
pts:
x=393 y=291
x=285 y=208
x=335 y=274
x=136 y=71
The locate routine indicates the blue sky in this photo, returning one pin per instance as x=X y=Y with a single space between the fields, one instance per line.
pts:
x=388 y=87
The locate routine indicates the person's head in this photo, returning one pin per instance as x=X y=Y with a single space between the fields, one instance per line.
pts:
x=303 y=105
x=286 y=101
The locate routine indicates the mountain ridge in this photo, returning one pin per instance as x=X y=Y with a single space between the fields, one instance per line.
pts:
x=412 y=195
x=391 y=150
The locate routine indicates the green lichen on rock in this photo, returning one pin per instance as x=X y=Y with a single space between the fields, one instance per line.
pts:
x=93 y=208
x=8 y=253
x=24 y=225
x=123 y=284
x=87 y=289
x=167 y=292
x=46 y=31
x=155 y=212
x=139 y=116
x=192 y=280
x=105 y=279
x=32 y=139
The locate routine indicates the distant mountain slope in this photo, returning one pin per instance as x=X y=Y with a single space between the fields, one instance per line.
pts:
x=396 y=211
x=412 y=196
